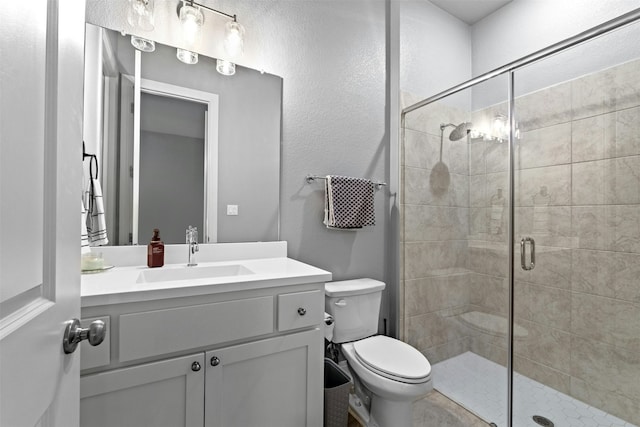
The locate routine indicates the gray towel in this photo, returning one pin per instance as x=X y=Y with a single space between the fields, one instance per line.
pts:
x=348 y=202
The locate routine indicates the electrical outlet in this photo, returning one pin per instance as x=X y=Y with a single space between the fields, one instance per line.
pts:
x=232 y=209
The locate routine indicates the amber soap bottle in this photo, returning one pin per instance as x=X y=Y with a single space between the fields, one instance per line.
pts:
x=155 y=250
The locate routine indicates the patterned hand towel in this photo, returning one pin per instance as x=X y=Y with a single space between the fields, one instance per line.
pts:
x=84 y=236
x=348 y=202
x=96 y=225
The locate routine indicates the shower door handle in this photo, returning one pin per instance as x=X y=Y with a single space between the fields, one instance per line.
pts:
x=523 y=253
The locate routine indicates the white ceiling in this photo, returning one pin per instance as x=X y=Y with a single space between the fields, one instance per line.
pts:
x=470 y=11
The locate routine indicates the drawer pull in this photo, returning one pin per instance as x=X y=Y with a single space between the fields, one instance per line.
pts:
x=195 y=366
x=302 y=311
x=215 y=361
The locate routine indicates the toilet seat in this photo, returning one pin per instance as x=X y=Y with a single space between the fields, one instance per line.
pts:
x=393 y=359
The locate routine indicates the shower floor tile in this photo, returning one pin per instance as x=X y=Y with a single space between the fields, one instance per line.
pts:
x=480 y=385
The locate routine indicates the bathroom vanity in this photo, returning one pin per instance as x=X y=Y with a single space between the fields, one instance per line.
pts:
x=234 y=341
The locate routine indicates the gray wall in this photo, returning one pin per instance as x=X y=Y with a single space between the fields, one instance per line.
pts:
x=331 y=56
x=171 y=186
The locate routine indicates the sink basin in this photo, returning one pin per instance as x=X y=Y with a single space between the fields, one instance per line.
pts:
x=192 y=273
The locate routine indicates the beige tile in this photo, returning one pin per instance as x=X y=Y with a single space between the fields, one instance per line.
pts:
x=478 y=191
x=436 y=329
x=423 y=259
x=428 y=118
x=592 y=94
x=627 y=129
x=622 y=180
x=497 y=156
x=478 y=222
x=608 y=227
x=435 y=223
x=459 y=190
x=419 y=187
x=609 y=274
x=490 y=293
x=421 y=150
x=587 y=182
x=489 y=259
x=487 y=349
x=626 y=85
x=553 y=267
x=592 y=137
x=437 y=410
x=546 y=375
x=546 y=146
x=477 y=156
x=546 y=107
x=613 y=369
x=544 y=305
x=615 y=404
x=548 y=225
x=545 y=345
x=436 y=293
x=545 y=186
x=609 y=181
x=446 y=351
x=607 y=320
x=457 y=155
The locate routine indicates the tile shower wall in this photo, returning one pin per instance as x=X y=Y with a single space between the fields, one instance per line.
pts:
x=435 y=212
x=578 y=196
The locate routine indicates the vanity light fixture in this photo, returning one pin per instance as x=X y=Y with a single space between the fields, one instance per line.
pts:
x=143 y=44
x=187 y=56
x=192 y=19
x=226 y=68
x=140 y=15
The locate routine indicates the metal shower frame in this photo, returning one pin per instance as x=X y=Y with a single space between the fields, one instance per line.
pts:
x=511 y=68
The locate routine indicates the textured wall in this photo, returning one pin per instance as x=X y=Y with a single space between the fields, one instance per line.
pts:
x=331 y=56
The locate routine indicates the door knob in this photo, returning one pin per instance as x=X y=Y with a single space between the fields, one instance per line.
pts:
x=73 y=334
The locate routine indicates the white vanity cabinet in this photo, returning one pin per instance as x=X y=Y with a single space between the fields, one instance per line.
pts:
x=245 y=358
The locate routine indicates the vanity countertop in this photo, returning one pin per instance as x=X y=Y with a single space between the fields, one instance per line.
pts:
x=124 y=285
x=233 y=266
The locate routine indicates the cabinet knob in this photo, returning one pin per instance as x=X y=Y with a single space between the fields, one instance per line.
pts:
x=195 y=366
x=215 y=361
x=302 y=311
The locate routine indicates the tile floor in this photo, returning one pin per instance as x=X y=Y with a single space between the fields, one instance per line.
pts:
x=481 y=386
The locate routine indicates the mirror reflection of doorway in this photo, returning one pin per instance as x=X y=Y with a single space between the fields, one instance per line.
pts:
x=172 y=149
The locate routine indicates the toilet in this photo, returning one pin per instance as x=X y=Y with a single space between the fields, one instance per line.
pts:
x=393 y=372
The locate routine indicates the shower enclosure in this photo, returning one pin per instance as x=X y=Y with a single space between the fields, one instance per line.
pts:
x=521 y=235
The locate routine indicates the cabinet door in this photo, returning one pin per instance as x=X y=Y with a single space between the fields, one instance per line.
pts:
x=169 y=393
x=275 y=382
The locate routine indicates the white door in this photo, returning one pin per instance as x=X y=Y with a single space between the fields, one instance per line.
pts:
x=41 y=75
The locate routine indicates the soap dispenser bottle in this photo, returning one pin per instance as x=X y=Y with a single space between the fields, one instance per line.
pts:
x=155 y=250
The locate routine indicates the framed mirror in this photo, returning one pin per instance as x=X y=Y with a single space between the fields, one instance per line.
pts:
x=180 y=144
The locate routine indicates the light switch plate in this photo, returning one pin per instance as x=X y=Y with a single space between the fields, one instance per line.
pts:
x=232 y=209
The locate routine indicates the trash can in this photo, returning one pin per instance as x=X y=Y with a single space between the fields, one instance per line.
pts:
x=336 y=395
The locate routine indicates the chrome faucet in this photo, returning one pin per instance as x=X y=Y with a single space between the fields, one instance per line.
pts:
x=192 y=245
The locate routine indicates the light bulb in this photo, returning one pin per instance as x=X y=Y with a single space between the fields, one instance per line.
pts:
x=225 y=68
x=234 y=39
x=140 y=14
x=187 y=56
x=191 y=19
x=143 y=45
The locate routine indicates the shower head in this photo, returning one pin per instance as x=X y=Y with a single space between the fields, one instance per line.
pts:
x=460 y=131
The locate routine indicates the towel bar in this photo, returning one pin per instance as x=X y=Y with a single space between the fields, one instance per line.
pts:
x=312 y=178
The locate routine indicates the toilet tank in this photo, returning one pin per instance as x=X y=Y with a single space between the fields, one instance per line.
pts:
x=355 y=307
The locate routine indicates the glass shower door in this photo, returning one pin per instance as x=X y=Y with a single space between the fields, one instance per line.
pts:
x=576 y=330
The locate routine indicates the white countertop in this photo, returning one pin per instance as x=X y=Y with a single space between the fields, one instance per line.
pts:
x=120 y=284
x=267 y=262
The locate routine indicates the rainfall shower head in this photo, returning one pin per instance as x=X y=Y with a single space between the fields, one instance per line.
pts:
x=459 y=132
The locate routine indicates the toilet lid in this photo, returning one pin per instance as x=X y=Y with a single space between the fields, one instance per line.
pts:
x=392 y=358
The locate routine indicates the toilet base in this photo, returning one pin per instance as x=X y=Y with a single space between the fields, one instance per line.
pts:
x=389 y=413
